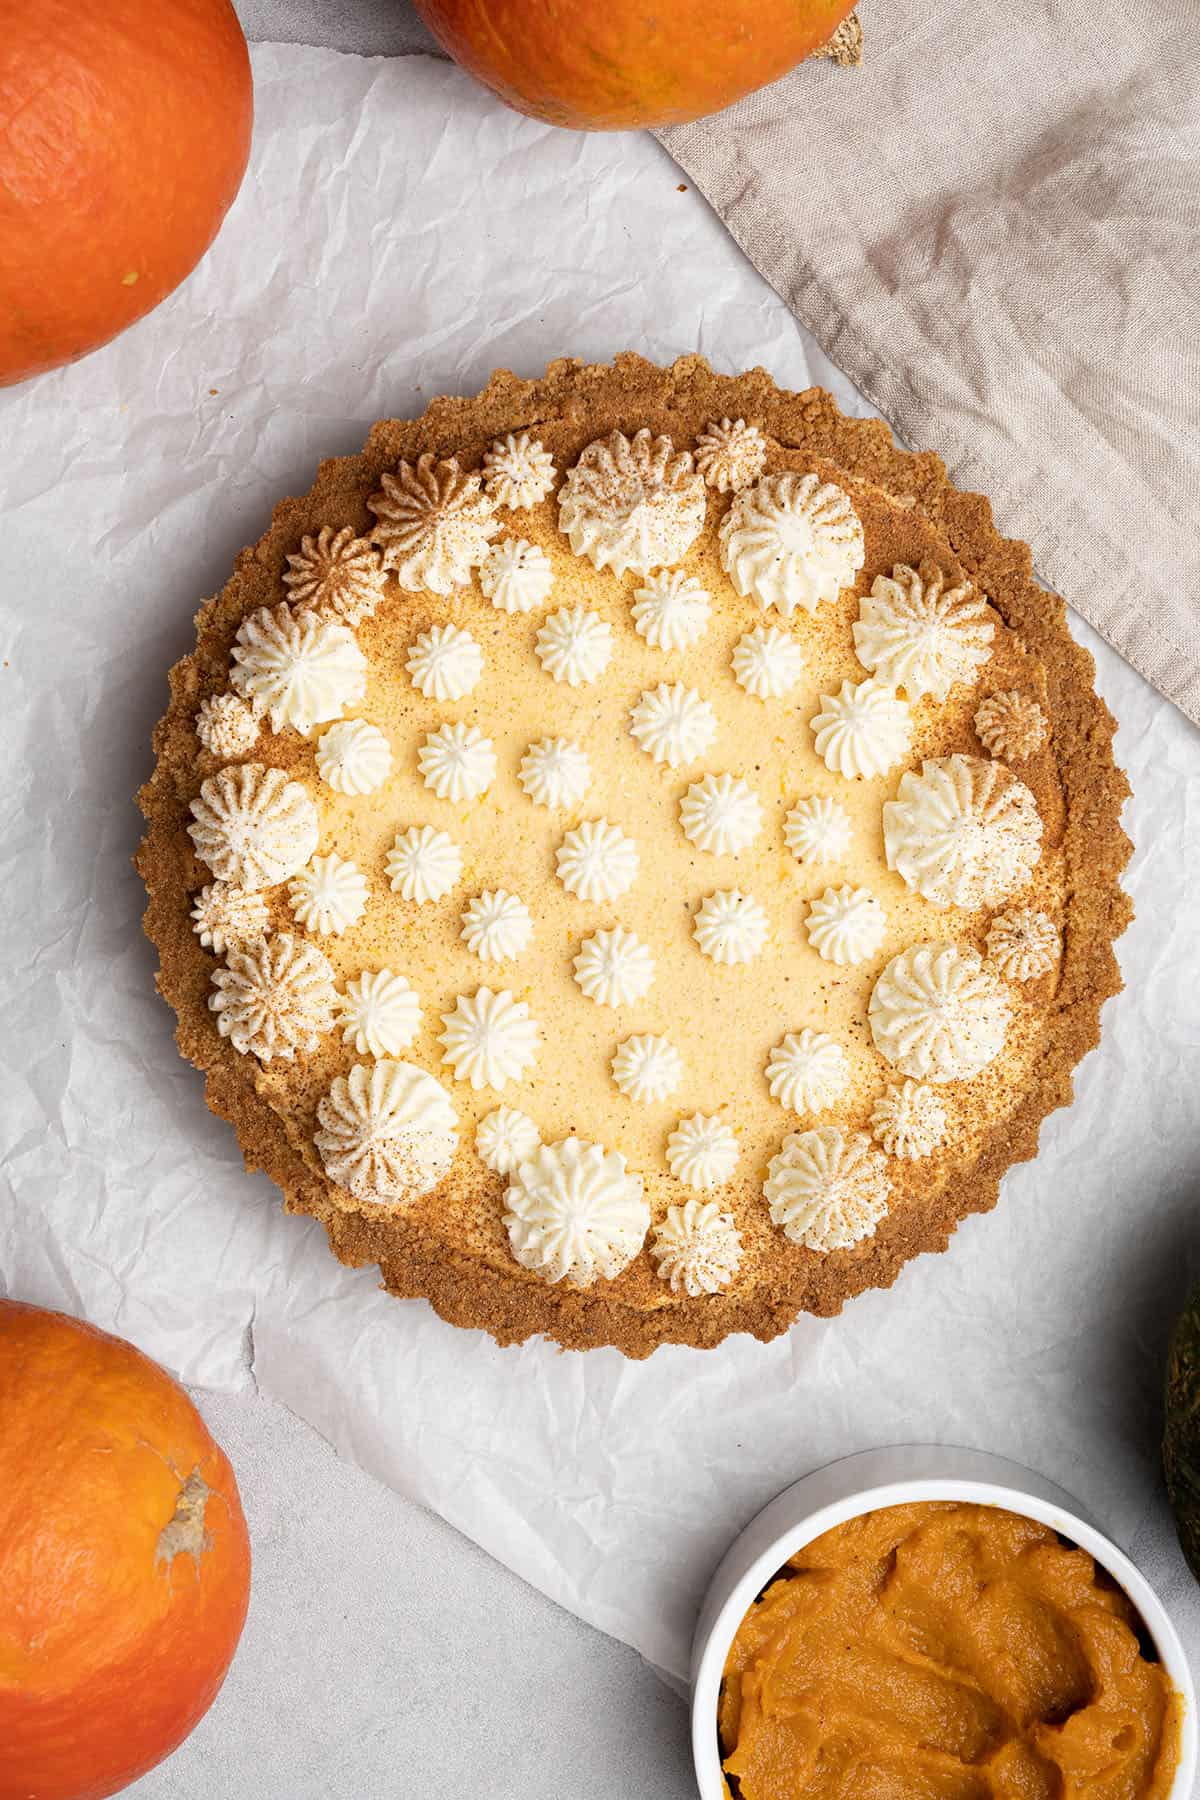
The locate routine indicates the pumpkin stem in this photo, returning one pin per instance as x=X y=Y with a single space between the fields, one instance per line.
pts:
x=845 y=47
x=184 y=1532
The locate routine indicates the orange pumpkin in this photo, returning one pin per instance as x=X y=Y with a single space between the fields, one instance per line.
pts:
x=124 y=133
x=609 y=64
x=124 y=1560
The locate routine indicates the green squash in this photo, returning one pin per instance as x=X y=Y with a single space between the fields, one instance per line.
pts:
x=1181 y=1435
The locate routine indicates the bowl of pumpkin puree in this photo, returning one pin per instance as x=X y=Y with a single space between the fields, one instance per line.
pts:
x=958 y=1633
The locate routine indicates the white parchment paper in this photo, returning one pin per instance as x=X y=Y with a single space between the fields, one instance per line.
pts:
x=399 y=235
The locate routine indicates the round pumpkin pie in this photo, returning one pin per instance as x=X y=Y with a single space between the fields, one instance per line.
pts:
x=635 y=854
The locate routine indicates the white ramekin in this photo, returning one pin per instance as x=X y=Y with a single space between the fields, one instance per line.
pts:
x=891 y=1477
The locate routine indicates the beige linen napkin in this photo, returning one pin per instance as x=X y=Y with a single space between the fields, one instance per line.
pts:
x=993 y=227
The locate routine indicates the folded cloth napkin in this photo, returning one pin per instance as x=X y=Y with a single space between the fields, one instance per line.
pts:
x=993 y=227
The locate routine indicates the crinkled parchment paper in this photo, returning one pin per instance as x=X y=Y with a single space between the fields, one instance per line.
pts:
x=400 y=235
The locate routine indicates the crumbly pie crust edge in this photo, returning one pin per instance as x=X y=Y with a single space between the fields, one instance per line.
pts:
x=627 y=393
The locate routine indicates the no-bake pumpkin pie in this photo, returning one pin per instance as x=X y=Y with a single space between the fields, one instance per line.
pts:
x=635 y=854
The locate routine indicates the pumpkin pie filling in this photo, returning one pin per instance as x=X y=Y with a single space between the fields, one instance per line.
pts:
x=944 y=1651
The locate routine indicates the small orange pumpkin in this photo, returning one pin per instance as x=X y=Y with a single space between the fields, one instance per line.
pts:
x=124 y=1560
x=124 y=133
x=612 y=64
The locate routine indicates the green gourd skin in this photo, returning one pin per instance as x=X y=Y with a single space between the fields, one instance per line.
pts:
x=1181 y=1435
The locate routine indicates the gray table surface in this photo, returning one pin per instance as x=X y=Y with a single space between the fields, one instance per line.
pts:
x=386 y=1655
x=366 y=27
x=491 y=1690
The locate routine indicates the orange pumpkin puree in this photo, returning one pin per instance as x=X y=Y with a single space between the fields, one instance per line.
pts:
x=940 y=1651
